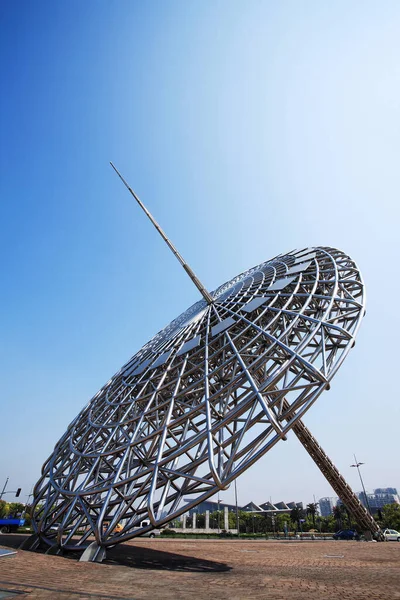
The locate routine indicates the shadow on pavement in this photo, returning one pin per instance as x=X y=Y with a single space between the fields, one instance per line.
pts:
x=138 y=557
x=13 y=540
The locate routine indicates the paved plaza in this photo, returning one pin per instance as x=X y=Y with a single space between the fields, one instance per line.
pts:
x=204 y=569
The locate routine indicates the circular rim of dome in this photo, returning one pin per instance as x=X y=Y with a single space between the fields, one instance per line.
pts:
x=203 y=400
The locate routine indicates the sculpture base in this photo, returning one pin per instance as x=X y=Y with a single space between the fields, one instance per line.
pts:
x=93 y=553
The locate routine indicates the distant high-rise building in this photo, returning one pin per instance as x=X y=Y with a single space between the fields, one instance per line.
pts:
x=326 y=506
x=379 y=498
x=386 y=491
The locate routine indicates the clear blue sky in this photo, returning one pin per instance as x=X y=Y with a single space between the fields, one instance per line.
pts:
x=249 y=128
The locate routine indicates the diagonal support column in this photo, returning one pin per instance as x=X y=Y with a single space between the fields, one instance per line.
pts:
x=364 y=519
x=334 y=478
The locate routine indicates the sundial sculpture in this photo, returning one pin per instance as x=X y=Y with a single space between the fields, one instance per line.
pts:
x=203 y=400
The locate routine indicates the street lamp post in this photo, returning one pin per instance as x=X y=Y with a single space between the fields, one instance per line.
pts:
x=357 y=465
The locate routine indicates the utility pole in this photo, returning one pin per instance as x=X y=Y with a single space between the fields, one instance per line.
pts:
x=4 y=488
x=16 y=492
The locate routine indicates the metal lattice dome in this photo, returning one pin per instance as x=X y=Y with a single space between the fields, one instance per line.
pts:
x=203 y=400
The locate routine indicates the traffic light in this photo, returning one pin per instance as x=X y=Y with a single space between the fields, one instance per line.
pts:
x=17 y=493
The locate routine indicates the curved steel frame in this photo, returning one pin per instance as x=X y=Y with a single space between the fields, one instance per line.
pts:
x=202 y=401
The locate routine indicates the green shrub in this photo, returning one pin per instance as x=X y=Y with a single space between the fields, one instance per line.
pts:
x=168 y=532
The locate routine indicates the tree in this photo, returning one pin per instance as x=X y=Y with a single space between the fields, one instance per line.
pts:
x=391 y=516
x=250 y=522
x=260 y=524
x=327 y=524
x=296 y=514
x=312 y=511
x=342 y=516
x=348 y=515
x=215 y=519
x=3 y=509
x=232 y=519
x=338 y=512
x=176 y=524
x=280 y=521
x=201 y=521
x=189 y=522
x=15 y=509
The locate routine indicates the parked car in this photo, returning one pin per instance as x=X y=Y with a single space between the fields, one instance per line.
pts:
x=345 y=534
x=151 y=534
x=117 y=529
x=391 y=535
x=55 y=527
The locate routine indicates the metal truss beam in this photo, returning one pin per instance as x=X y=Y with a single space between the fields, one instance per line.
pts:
x=335 y=479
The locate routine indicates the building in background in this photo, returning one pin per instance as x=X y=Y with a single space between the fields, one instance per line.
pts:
x=379 y=498
x=265 y=508
x=268 y=508
x=376 y=500
x=212 y=506
x=386 y=491
x=326 y=506
x=252 y=507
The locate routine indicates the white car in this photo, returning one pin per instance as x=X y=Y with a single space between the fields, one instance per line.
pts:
x=391 y=535
x=151 y=534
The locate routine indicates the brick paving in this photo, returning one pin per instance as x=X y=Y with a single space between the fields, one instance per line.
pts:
x=217 y=569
